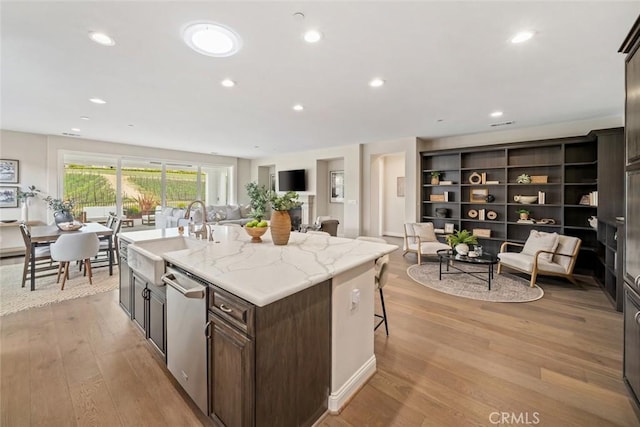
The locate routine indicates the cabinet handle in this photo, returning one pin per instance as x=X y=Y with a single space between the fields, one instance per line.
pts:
x=225 y=308
x=207 y=327
x=638 y=318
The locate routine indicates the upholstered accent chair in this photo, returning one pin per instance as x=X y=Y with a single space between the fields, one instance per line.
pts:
x=421 y=239
x=381 y=278
x=543 y=253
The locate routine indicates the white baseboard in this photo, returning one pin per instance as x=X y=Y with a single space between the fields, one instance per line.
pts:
x=339 y=398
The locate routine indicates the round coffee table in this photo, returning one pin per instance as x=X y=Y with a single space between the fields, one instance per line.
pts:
x=450 y=259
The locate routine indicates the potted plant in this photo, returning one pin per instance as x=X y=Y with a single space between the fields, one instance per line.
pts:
x=435 y=177
x=61 y=209
x=524 y=213
x=523 y=179
x=460 y=241
x=258 y=199
x=280 y=219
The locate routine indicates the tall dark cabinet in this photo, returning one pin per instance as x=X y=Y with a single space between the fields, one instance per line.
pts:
x=631 y=370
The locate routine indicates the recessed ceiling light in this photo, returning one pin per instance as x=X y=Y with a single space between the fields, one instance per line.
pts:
x=298 y=107
x=496 y=114
x=84 y=118
x=228 y=83
x=101 y=38
x=522 y=36
x=211 y=39
x=130 y=126
x=75 y=129
x=97 y=101
x=376 y=83
x=312 y=36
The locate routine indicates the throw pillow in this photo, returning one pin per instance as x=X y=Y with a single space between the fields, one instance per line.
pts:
x=219 y=212
x=245 y=211
x=541 y=241
x=424 y=230
x=233 y=212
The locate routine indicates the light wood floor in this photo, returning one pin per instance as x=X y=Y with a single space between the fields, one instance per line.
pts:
x=448 y=362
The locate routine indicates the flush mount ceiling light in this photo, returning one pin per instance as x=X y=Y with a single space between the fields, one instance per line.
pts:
x=522 y=36
x=376 y=82
x=211 y=39
x=101 y=38
x=496 y=114
x=97 y=101
x=298 y=107
x=228 y=83
x=312 y=36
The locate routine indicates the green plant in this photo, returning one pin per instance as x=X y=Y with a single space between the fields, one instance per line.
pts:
x=523 y=179
x=523 y=211
x=146 y=202
x=32 y=191
x=57 y=205
x=133 y=210
x=284 y=202
x=461 y=236
x=436 y=174
x=258 y=198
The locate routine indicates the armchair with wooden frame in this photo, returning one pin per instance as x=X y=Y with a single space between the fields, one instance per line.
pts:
x=558 y=260
x=420 y=239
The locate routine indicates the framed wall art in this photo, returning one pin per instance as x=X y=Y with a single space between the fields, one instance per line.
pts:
x=8 y=197
x=9 y=172
x=336 y=186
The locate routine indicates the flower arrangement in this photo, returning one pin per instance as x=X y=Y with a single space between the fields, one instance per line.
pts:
x=58 y=205
x=32 y=191
x=285 y=202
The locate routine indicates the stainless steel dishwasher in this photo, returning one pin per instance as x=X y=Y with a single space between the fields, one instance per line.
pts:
x=186 y=341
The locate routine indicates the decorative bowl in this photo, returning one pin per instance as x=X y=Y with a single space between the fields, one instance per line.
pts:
x=526 y=200
x=70 y=226
x=255 y=233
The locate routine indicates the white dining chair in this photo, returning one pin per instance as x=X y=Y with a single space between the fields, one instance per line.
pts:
x=74 y=247
x=380 y=280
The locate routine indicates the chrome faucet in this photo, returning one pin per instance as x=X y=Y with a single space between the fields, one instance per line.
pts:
x=202 y=233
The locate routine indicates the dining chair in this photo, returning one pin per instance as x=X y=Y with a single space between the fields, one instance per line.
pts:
x=380 y=280
x=74 y=247
x=42 y=253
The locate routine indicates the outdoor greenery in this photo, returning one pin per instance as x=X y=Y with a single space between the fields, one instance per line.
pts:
x=89 y=188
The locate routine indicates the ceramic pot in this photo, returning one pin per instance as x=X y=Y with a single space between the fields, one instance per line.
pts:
x=524 y=216
x=435 y=180
x=62 y=216
x=462 y=248
x=280 y=227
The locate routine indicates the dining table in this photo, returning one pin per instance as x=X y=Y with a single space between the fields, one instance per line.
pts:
x=44 y=235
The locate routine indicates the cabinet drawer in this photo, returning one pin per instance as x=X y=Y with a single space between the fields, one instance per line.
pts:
x=237 y=311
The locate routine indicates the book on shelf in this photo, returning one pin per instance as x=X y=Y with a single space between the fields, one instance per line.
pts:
x=446 y=182
x=483 y=178
x=481 y=214
x=492 y=182
x=593 y=198
x=541 y=198
x=446 y=196
x=526 y=221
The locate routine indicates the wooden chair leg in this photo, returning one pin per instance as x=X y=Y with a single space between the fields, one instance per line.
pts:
x=59 y=271
x=534 y=274
x=419 y=258
x=499 y=268
x=87 y=268
x=26 y=268
x=65 y=275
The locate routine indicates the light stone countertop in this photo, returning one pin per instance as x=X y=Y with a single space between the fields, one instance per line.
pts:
x=262 y=273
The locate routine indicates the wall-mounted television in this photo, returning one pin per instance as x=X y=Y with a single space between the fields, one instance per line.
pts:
x=293 y=180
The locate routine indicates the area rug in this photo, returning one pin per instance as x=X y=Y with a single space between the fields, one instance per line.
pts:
x=505 y=287
x=14 y=298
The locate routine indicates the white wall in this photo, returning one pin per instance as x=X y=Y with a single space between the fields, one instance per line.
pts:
x=371 y=188
x=308 y=160
x=393 y=166
x=42 y=157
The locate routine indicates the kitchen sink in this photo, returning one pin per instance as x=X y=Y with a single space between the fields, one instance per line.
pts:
x=145 y=257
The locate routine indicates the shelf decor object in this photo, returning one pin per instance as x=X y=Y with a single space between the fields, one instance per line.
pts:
x=481 y=232
x=437 y=198
x=523 y=179
x=479 y=195
x=539 y=179
x=475 y=178
x=492 y=215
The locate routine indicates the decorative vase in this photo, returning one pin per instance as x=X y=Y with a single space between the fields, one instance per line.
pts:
x=435 y=180
x=462 y=248
x=62 y=216
x=25 y=211
x=280 y=227
x=524 y=216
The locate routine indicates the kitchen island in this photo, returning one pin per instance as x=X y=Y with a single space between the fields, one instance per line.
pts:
x=305 y=320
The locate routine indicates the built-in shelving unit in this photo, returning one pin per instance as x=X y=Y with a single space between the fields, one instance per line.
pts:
x=567 y=170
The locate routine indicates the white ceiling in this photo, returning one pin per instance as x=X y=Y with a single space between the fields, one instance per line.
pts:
x=449 y=61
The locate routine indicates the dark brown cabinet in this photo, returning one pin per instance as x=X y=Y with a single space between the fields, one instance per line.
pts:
x=231 y=365
x=149 y=310
x=270 y=365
